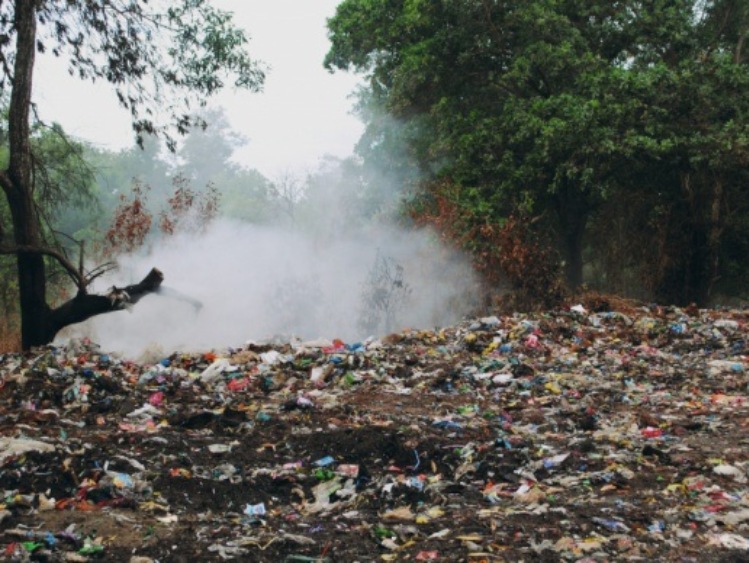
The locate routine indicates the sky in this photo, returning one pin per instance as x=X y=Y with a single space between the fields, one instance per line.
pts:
x=303 y=113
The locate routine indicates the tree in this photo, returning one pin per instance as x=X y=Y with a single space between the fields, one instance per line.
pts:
x=181 y=55
x=64 y=185
x=201 y=166
x=115 y=172
x=683 y=132
x=697 y=140
x=500 y=98
x=551 y=108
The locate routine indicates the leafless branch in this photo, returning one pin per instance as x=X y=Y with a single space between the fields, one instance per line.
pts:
x=67 y=265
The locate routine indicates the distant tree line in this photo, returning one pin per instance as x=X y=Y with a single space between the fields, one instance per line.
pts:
x=604 y=141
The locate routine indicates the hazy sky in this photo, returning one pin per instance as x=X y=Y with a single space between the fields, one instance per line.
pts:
x=302 y=114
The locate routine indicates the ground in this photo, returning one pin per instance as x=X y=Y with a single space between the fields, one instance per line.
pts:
x=571 y=435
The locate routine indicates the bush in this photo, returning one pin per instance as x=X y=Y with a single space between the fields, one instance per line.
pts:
x=506 y=252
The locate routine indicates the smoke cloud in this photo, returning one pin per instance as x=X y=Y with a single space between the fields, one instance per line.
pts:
x=257 y=283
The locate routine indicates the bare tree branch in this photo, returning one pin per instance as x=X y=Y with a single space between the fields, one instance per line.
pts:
x=84 y=306
x=69 y=267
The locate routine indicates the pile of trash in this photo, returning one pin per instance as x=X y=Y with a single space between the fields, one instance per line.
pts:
x=569 y=435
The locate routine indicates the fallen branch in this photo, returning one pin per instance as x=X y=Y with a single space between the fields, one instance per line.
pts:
x=84 y=305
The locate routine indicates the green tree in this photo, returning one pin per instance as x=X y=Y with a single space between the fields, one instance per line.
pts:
x=500 y=98
x=245 y=195
x=550 y=108
x=117 y=171
x=695 y=138
x=685 y=142
x=183 y=54
x=203 y=166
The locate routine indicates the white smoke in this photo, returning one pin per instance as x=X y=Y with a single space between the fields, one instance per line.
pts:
x=256 y=282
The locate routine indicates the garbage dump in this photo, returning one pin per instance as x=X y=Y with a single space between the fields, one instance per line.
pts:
x=570 y=435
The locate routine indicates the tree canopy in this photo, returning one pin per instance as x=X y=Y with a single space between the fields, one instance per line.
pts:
x=561 y=111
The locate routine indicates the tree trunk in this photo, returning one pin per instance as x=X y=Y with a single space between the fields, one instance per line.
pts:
x=572 y=212
x=714 y=238
x=706 y=224
x=32 y=278
x=19 y=188
x=573 y=265
x=703 y=267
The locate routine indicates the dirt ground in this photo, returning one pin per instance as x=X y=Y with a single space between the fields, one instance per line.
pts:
x=565 y=436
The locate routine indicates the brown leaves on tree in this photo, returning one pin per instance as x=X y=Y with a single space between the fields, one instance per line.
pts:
x=504 y=251
x=131 y=223
x=186 y=210
x=529 y=262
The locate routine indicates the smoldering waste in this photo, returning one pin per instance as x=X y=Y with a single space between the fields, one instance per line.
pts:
x=569 y=435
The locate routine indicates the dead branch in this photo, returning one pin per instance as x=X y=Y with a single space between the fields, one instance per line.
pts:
x=84 y=306
x=67 y=265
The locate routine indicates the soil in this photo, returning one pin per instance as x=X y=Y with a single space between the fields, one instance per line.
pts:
x=586 y=438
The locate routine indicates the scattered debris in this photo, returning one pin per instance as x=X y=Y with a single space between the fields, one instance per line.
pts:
x=569 y=435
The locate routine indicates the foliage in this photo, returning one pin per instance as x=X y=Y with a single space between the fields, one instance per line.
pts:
x=182 y=51
x=130 y=225
x=244 y=193
x=245 y=196
x=336 y=192
x=529 y=263
x=202 y=166
x=286 y=192
x=187 y=210
x=511 y=252
x=64 y=186
x=115 y=172
x=552 y=108
x=64 y=181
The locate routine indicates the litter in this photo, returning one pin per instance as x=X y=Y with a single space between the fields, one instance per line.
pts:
x=625 y=429
x=10 y=447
